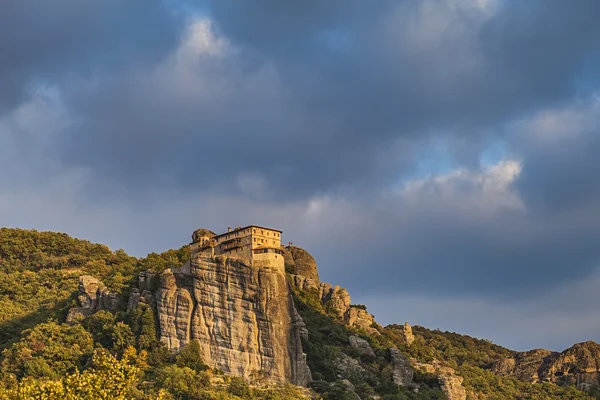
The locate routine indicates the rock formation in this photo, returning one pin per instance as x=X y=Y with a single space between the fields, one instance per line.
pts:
x=299 y=262
x=243 y=317
x=93 y=296
x=450 y=383
x=408 y=334
x=361 y=346
x=402 y=373
x=528 y=366
x=579 y=365
x=348 y=367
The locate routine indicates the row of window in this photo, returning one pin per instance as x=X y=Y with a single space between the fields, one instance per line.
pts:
x=254 y=230
x=258 y=240
x=262 y=251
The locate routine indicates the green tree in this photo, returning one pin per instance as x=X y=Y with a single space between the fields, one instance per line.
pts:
x=48 y=350
x=190 y=356
x=108 y=332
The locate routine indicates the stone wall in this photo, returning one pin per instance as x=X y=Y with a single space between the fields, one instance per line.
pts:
x=269 y=260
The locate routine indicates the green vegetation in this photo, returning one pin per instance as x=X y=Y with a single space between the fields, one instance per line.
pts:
x=39 y=274
x=328 y=341
x=117 y=355
x=471 y=358
x=108 y=356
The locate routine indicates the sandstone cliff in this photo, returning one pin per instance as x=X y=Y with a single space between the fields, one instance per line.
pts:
x=243 y=317
x=579 y=365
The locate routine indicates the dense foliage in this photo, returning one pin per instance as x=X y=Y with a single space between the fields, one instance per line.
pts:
x=471 y=358
x=39 y=272
x=117 y=355
x=328 y=342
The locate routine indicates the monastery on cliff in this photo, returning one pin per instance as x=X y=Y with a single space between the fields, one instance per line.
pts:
x=253 y=245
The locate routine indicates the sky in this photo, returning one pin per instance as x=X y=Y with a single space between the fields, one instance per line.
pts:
x=438 y=158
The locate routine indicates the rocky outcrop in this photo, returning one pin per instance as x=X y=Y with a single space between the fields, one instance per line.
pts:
x=348 y=367
x=450 y=383
x=528 y=366
x=408 y=334
x=299 y=262
x=243 y=317
x=452 y=386
x=350 y=390
x=357 y=317
x=579 y=365
x=92 y=296
x=402 y=373
x=361 y=346
x=336 y=299
x=147 y=285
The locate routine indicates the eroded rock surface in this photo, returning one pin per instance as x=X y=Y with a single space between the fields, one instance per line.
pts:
x=528 y=366
x=579 y=365
x=361 y=345
x=243 y=317
x=300 y=262
x=408 y=334
x=402 y=373
x=336 y=298
x=450 y=383
x=93 y=296
x=348 y=367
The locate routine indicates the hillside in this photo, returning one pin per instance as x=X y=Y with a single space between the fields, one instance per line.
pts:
x=138 y=344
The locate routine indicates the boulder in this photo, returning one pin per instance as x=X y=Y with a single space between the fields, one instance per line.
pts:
x=361 y=345
x=348 y=367
x=402 y=373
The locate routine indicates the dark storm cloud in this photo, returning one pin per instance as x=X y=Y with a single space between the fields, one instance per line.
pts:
x=543 y=52
x=43 y=42
x=335 y=86
x=304 y=102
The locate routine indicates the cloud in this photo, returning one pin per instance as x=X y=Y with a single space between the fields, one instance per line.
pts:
x=44 y=42
x=565 y=316
x=441 y=149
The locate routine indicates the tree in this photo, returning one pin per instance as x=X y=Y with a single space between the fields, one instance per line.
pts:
x=49 y=350
x=107 y=379
x=108 y=332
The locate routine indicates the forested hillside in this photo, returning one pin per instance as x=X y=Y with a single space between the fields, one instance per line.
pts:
x=117 y=355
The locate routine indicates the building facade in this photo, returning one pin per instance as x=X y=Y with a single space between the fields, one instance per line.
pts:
x=253 y=245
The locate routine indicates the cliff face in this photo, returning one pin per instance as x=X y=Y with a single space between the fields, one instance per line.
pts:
x=578 y=365
x=243 y=317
